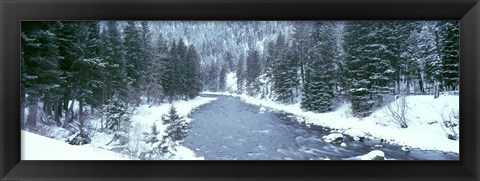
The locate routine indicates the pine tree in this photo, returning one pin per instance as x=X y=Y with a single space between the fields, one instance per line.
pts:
x=321 y=70
x=302 y=46
x=40 y=70
x=169 y=79
x=223 y=78
x=115 y=65
x=134 y=59
x=212 y=73
x=148 y=55
x=69 y=49
x=421 y=51
x=252 y=72
x=192 y=77
x=240 y=73
x=86 y=88
x=395 y=66
x=118 y=120
x=95 y=64
x=153 y=144
x=176 y=130
x=361 y=57
x=284 y=71
x=181 y=69
x=156 y=70
x=449 y=54
x=230 y=62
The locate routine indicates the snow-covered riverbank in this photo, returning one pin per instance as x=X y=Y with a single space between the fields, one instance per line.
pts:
x=424 y=115
x=37 y=147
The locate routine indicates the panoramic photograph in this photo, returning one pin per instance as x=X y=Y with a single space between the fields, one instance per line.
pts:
x=240 y=90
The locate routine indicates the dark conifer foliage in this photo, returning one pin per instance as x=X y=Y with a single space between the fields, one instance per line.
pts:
x=192 y=77
x=283 y=71
x=176 y=130
x=253 y=71
x=362 y=55
x=103 y=67
x=41 y=63
x=240 y=73
x=321 y=70
x=449 y=54
x=111 y=65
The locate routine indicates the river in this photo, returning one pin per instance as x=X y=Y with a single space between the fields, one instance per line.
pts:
x=229 y=129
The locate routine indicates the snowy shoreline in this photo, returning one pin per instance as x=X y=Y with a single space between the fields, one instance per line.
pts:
x=41 y=147
x=422 y=115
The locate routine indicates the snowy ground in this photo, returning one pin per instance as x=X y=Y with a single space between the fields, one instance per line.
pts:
x=36 y=147
x=145 y=116
x=423 y=112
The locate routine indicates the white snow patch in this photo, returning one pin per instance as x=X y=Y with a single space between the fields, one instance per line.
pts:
x=36 y=147
x=332 y=137
x=343 y=145
x=145 y=116
x=262 y=110
x=184 y=153
x=231 y=82
x=372 y=155
x=405 y=149
x=355 y=134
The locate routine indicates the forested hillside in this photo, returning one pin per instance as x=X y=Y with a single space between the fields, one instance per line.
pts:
x=74 y=71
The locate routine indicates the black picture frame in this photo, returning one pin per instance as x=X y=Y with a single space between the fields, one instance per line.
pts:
x=14 y=11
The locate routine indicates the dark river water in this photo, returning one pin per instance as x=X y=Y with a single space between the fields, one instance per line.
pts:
x=229 y=129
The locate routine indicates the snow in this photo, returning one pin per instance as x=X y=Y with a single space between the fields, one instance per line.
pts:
x=332 y=137
x=231 y=82
x=184 y=153
x=262 y=109
x=36 y=147
x=343 y=145
x=423 y=114
x=142 y=120
x=145 y=116
x=372 y=155
x=356 y=134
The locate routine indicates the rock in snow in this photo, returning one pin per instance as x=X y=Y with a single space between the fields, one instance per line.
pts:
x=333 y=138
x=262 y=109
x=343 y=144
x=374 y=155
x=355 y=134
x=406 y=149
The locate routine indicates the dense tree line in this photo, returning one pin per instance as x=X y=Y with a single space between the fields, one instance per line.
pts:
x=363 y=61
x=116 y=66
x=103 y=66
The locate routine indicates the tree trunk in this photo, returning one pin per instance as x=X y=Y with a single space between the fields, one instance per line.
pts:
x=22 y=111
x=420 y=84
x=32 y=115
x=58 y=113
x=399 y=81
x=68 y=114
x=80 y=116
x=45 y=105
x=48 y=108
x=408 y=85
x=65 y=105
